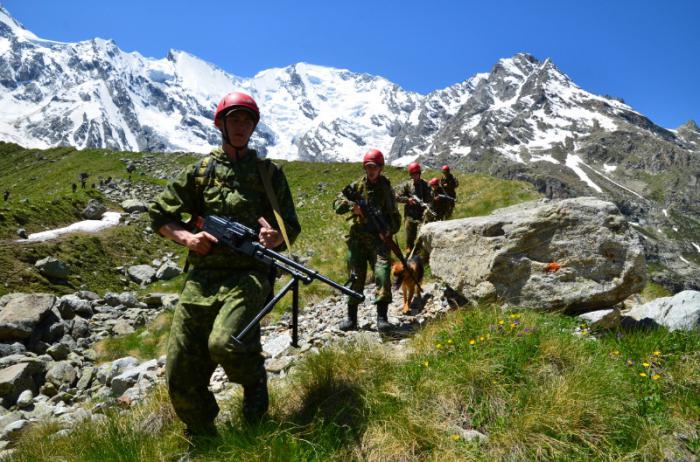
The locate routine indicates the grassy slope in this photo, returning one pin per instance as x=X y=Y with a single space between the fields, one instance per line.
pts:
x=539 y=385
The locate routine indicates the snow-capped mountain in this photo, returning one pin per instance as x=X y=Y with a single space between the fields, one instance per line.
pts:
x=92 y=94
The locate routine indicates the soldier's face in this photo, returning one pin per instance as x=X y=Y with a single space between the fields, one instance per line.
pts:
x=240 y=126
x=373 y=172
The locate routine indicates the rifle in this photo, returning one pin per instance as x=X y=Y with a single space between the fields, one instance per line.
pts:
x=423 y=205
x=244 y=240
x=445 y=197
x=379 y=225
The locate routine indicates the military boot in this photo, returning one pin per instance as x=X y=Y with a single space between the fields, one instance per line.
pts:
x=382 y=320
x=350 y=322
x=255 y=400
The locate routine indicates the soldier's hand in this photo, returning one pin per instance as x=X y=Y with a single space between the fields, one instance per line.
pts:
x=411 y=201
x=356 y=209
x=268 y=236
x=201 y=242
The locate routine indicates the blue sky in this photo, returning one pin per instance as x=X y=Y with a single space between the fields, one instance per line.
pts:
x=646 y=52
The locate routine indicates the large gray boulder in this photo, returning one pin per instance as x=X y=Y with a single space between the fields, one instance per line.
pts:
x=507 y=255
x=22 y=314
x=19 y=377
x=134 y=205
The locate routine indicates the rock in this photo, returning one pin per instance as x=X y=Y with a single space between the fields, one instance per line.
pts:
x=58 y=351
x=679 y=312
x=86 y=378
x=61 y=373
x=21 y=232
x=69 y=305
x=19 y=377
x=278 y=365
x=277 y=345
x=11 y=349
x=94 y=210
x=22 y=314
x=25 y=399
x=134 y=206
x=122 y=327
x=14 y=430
x=141 y=274
x=578 y=254
x=130 y=376
x=80 y=328
x=168 y=270
x=53 y=267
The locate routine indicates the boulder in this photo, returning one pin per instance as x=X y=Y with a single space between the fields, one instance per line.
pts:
x=134 y=205
x=70 y=305
x=168 y=270
x=19 y=377
x=575 y=254
x=141 y=274
x=22 y=314
x=94 y=210
x=53 y=267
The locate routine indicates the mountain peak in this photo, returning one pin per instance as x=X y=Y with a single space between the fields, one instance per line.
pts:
x=9 y=26
x=690 y=125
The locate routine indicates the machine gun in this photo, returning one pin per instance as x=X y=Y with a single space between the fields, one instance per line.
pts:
x=244 y=240
x=377 y=224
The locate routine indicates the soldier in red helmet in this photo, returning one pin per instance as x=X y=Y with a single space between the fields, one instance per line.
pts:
x=449 y=184
x=415 y=194
x=365 y=247
x=223 y=290
x=440 y=202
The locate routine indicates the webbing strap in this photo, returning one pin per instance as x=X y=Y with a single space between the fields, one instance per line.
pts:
x=265 y=175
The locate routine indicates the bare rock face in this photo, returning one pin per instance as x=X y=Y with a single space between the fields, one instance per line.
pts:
x=574 y=254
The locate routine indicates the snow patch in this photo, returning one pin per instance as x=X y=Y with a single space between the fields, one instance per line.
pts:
x=573 y=161
x=109 y=219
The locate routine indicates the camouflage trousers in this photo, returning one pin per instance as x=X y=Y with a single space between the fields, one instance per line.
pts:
x=412 y=226
x=369 y=251
x=214 y=304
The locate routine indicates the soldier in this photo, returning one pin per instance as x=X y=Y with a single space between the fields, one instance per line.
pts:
x=6 y=195
x=449 y=183
x=440 y=202
x=223 y=291
x=415 y=193
x=74 y=187
x=364 y=243
x=83 y=178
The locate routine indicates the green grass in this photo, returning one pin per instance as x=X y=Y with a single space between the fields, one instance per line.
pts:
x=537 y=390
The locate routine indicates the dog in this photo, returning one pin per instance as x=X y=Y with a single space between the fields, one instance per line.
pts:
x=409 y=282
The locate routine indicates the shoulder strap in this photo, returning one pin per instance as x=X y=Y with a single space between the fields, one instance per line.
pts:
x=266 y=174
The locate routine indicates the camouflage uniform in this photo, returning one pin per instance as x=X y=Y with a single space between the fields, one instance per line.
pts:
x=224 y=290
x=449 y=183
x=413 y=213
x=364 y=245
x=440 y=205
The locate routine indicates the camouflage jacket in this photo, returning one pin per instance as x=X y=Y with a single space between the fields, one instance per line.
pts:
x=379 y=195
x=234 y=190
x=421 y=190
x=449 y=183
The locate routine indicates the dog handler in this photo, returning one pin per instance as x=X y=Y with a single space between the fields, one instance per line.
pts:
x=364 y=244
x=413 y=211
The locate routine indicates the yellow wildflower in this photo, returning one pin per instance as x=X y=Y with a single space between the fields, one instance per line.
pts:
x=616 y=353
x=481 y=338
x=655 y=377
x=425 y=363
x=472 y=342
x=646 y=364
x=501 y=322
x=657 y=353
x=438 y=346
x=642 y=374
x=449 y=341
x=455 y=437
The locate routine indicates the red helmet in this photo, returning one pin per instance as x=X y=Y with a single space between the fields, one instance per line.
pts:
x=413 y=167
x=434 y=182
x=233 y=101
x=373 y=156
x=445 y=168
